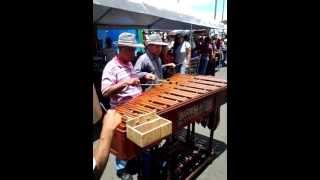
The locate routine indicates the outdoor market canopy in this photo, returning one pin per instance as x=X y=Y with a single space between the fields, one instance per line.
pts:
x=139 y=14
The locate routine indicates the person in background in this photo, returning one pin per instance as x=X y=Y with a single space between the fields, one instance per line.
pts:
x=191 y=40
x=108 y=52
x=167 y=58
x=218 y=44
x=139 y=53
x=224 y=50
x=150 y=62
x=182 y=53
x=211 y=51
x=206 y=59
x=98 y=64
x=171 y=41
x=196 y=50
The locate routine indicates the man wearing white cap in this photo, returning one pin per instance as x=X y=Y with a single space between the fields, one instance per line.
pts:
x=121 y=83
x=150 y=61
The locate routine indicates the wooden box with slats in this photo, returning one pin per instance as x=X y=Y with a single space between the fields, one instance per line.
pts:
x=147 y=129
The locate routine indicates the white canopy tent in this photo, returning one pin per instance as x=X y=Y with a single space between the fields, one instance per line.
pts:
x=138 y=14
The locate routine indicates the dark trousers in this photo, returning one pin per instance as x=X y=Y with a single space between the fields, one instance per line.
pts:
x=203 y=65
x=211 y=67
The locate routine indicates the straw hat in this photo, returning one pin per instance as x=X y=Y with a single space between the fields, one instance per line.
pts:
x=128 y=39
x=156 y=40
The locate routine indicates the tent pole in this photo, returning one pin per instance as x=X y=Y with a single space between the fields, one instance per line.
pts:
x=223 y=10
x=191 y=34
x=215 y=9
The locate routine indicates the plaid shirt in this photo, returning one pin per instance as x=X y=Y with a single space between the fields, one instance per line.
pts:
x=115 y=72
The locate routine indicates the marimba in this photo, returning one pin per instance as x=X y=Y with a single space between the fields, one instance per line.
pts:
x=182 y=98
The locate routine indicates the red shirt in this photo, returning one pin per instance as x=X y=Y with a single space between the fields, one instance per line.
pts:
x=206 y=49
x=167 y=58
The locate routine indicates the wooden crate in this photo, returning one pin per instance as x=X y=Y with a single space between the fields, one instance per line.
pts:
x=147 y=129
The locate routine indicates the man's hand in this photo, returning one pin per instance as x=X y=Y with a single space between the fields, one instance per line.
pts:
x=171 y=65
x=114 y=89
x=111 y=120
x=150 y=76
x=132 y=81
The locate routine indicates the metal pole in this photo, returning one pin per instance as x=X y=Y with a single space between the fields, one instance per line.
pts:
x=193 y=131
x=215 y=9
x=211 y=140
x=191 y=39
x=223 y=10
x=190 y=33
x=188 y=134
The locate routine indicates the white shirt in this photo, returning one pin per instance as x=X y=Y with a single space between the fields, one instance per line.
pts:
x=181 y=53
x=170 y=44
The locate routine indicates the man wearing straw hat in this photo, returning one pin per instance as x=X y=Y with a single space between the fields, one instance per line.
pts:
x=150 y=61
x=121 y=83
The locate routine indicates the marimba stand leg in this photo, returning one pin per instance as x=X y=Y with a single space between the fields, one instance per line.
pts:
x=188 y=134
x=193 y=132
x=211 y=141
x=140 y=171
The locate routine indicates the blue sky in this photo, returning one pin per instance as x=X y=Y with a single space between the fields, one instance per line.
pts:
x=199 y=8
x=209 y=7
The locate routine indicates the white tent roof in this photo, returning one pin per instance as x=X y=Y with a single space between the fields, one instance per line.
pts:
x=136 y=13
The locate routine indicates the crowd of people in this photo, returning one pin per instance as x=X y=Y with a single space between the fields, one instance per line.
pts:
x=123 y=74
x=177 y=50
x=212 y=51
